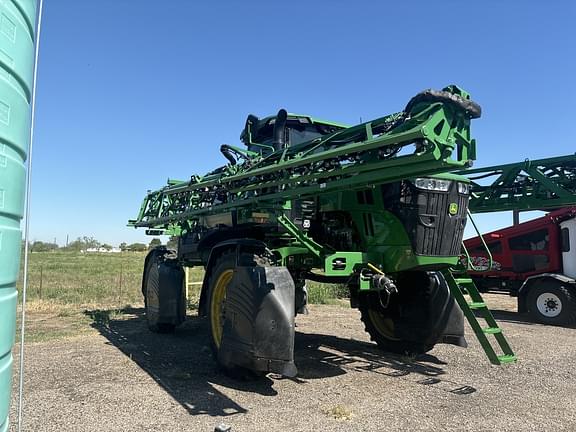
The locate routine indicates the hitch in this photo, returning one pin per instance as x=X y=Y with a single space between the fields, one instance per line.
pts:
x=374 y=279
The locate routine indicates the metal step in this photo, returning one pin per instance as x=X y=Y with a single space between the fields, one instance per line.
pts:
x=459 y=286
x=463 y=281
x=492 y=330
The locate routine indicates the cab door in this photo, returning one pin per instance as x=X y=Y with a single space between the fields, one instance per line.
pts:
x=568 y=244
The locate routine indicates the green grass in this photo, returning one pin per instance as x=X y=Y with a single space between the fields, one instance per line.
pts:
x=68 y=291
x=113 y=280
x=326 y=293
x=85 y=279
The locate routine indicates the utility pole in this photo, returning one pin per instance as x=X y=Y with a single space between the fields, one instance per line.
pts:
x=515 y=217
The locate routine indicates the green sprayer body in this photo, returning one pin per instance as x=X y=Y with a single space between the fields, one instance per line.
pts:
x=327 y=192
x=17 y=21
x=375 y=206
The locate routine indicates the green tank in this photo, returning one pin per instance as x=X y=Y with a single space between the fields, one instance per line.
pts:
x=17 y=27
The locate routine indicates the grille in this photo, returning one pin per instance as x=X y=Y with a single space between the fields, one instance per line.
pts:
x=437 y=232
x=432 y=230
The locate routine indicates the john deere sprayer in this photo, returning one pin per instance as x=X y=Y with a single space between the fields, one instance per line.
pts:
x=372 y=206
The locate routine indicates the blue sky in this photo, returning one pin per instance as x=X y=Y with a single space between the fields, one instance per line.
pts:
x=131 y=92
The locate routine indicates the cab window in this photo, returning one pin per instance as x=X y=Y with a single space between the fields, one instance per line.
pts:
x=534 y=241
x=493 y=247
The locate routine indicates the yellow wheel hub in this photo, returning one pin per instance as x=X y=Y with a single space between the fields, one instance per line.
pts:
x=217 y=300
x=385 y=326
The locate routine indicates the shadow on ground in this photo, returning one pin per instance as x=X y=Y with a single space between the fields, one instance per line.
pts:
x=519 y=318
x=511 y=316
x=182 y=362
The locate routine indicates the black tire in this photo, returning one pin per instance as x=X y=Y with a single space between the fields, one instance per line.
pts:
x=380 y=322
x=220 y=274
x=151 y=290
x=552 y=302
x=301 y=296
x=225 y=263
x=380 y=326
x=472 y=109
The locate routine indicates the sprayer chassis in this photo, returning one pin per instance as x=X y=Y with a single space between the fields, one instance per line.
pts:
x=371 y=206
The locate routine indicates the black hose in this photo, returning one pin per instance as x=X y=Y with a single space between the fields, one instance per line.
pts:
x=226 y=151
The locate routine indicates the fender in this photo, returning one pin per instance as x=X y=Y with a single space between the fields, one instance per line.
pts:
x=154 y=253
x=232 y=244
x=433 y=316
x=258 y=329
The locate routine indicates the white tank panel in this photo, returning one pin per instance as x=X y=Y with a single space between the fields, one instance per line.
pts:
x=569 y=258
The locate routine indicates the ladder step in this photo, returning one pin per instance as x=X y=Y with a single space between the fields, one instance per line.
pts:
x=463 y=281
x=492 y=330
x=460 y=286
x=508 y=358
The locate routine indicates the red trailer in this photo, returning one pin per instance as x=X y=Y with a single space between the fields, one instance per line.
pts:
x=534 y=261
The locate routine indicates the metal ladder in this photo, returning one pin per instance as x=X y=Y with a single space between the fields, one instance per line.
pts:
x=459 y=286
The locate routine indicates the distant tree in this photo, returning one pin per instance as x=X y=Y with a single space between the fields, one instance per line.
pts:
x=39 y=246
x=123 y=246
x=138 y=247
x=172 y=242
x=76 y=245
x=106 y=246
x=90 y=242
x=82 y=243
x=154 y=242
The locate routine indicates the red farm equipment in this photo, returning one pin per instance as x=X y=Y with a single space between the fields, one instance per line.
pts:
x=534 y=261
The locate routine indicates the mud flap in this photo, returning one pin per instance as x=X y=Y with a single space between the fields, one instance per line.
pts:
x=162 y=286
x=434 y=318
x=171 y=303
x=258 y=329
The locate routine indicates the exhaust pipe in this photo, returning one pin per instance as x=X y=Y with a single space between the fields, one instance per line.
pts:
x=280 y=130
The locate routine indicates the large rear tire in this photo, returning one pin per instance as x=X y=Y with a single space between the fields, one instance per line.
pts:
x=220 y=277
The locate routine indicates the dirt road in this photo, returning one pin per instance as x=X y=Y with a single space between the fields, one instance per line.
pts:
x=123 y=378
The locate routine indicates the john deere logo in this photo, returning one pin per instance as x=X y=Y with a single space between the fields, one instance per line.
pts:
x=453 y=209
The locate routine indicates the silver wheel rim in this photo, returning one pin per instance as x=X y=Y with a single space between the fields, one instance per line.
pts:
x=549 y=305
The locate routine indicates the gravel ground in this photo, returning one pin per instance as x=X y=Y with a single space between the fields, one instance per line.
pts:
x=124 y=378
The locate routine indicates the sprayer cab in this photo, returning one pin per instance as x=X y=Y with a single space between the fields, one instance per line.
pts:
x=282 y=130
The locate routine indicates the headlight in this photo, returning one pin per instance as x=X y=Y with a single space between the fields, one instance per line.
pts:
x=464 y=188
x=433 y=184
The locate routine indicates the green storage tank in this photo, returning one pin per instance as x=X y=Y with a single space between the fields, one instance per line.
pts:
x=17 y=26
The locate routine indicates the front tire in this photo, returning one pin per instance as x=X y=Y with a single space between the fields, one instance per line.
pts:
x=552 y=302
x=151 y=289
x=415 y=318
x=380 y=325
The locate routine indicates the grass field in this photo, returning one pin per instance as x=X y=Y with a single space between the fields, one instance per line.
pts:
x=69 y=278
x=63 y=287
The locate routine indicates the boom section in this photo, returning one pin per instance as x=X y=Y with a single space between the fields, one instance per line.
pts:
x=529 y=185
x=431 y=135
